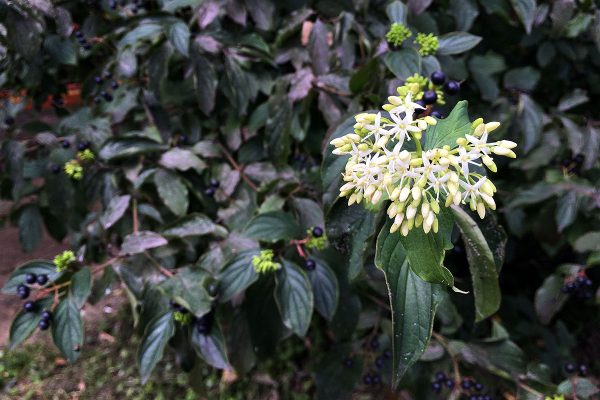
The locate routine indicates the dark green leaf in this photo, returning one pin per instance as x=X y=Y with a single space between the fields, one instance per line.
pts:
x=272 y=227
x=136 y=243
x=67 y=329
x=464 y=13
x=397 y=12
x=188 y=288
x=62 y=50
x=530 y=121
x=566 y=210
x=325 y=289
x=237 y=275
x=319 y=48
x=206 y=84
x=582 y=386
x=446 y=131
x=181 y=159
x=525 y=10
x=481 y=264
x=403 y=63
x=156 y=336
x=30 y=227
x=549 y=299
x=117 y=148
x=211 y=347
x=179 y=36
x=81 y=287
x=172 y=191
x=413 y=302
x=294 y=298
x=194 y=225
x=457 y=42
x=115 y=210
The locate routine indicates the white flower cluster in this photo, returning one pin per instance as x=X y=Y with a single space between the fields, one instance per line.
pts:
x=379 y=168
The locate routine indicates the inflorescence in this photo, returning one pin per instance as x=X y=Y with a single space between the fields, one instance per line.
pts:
x=416 y=182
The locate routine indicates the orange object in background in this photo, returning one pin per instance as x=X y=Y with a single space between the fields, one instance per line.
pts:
x=71 y=98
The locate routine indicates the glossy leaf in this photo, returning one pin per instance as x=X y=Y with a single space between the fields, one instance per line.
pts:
x=549 y=299
x=211 y=347
x=81 y=286
x=156 y=336
x=67 y=329
x=179 y=36
x=25 y=323
x=237 y=275
x=446 y=131
x=194 y=225
x=325 y=289
x=272 y=227
x=172 y=191
x=136 y=243
x=294 y=298
x=115 y=210
x=403 y=63
x=457 y=42
x=188 y=288
x=118 y=148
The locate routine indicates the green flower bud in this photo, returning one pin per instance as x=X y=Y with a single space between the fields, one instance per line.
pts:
x=397 y=34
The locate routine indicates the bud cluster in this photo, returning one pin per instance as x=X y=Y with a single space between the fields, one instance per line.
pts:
x=397 y=34
x=416 y=182
x=264 y=263
x=63 y=260
x=428 y=43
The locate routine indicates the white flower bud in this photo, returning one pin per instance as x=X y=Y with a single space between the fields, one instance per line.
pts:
x=392 y=210
x=416 y=193
x=410 y=212
x=395 y=194
x=481 y=210
x=352 y=199
x=376 y=197
x=489 y=200
x=487 y=160
x=399 y=218
x=338 y=142
x=404 y=194
x=490 y=126
x=456 y=199
x=425 y=209
x=370 y=190
x=395 y=100
x=394 y=228
x=508 y=144
x=430 y=120
x=404 y=229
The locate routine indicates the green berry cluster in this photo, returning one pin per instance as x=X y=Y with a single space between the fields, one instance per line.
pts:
x=397 y=34
x=63 y=260
x=74 y=167
x=184 y=318
x=428 y=43
x=264 y=263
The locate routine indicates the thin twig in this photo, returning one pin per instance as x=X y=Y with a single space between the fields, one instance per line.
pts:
x=136 y=224
x=239 y=169
x=162 y=269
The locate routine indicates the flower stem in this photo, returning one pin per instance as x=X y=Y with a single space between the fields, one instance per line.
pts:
x=417 y=144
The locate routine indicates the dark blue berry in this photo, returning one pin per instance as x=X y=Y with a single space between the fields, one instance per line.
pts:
x=203 y=326
x=376 y=379
x=437 y=114
x=436 y=386
x=114 y=85
x=98 y=79
x=55 y=168
x=487 y=397
x=43 y=324
x=107 y=74
x=438 y=77
x=310 y=265
x=583 y=370
x=348 y=362
x=430 y=97
x=107 y=96
x=23 y=292
x=367 y=380
x=9 y=121
x=213 y=289
x=112 y=4
x=440 y=376
x=379 y=361
x=588 y=283
x=474 y=397
x=65 y=144
x=387 y=354
x=215 y=183
x=317 y=231
x=466 y=384
x=209 y=191
x=28 y=306
x=570 y=368
x=78 y=34
x=30 y=278
x=42 y=279
x=479 y=387
x=82 y=146
x=452 y=87
x=46 y=315
x=374 y=343
x=450 y=383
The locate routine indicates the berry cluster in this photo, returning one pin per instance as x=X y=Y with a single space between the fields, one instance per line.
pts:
x=82 y=40
x=23 y=291
x=204 y=324
x=373 y=377
x=213 y=185
x=572 y=368
x=474 y=389
x=440 y=381
x=572 y=165
x=581 y=286
x=104 y=90
x=316 y=238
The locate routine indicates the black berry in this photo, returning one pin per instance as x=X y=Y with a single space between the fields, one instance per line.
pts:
x=114 y=85
x=9 y=121
x=97 y=99
x=210 y=192
x=430 y=97
x=367 y=380
x=348 y=362
x=46 y=314
x=107 y=74
x=30 y=278
x=203 y=324
x=28 y=306
x=450 y=383
x=87 y=46
x=215 y=183
x=55 y=168
x=310 y=265
x=588 y=283
x=436 y=386
x=466 y=384
x=479 y=387
x=438 y=78
x=317 y=231
x=387 y=354
x=107 y=96
x=213 y=289
x=583 y=370
x=82 y=146
x=98 y=79
x=42 y=279
x=570 y=368
x=437 y=114
x=44 y=324
x=379 y=361
x=78 y=34
x=65 y=144
x=578 y=158
x=376 y=379
x=452 y=87
x=440 y=376
x=112 y=4
x=23 y=292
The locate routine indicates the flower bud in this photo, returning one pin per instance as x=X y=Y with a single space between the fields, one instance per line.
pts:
x=476 y=123
x=487 y=160
x=394 y=228
x=435 y=206
x=338 y=142
x=508 y=144
x=388 y=107
x=416 y=193
x=481 y=210
x=404 y=194
x=425 y=209
x=370 y=190
x=399 y=218
x=491 y=126
x=404 y=229
x=352 y=199
x=418 y=220
x=489 y=200
x=376 y=197
x=395 y=193
x=395 y=100
x=430 y=120
x=435 y=225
